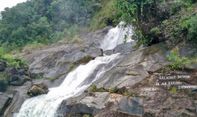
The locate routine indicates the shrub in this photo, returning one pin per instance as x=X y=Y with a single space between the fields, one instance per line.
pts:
x=173 y=90
x=177 y=62
x=11 y=60
x=107 y=15
x=191 y=26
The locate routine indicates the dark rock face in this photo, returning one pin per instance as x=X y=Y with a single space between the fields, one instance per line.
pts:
x=3 y=66
x=3 y=85
x=13 y=88
x=5 y=100
x=17 y=77
x=17 y=80
x=37 y=89
x=19 y=96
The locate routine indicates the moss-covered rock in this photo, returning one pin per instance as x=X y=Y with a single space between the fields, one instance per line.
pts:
x=37 y=89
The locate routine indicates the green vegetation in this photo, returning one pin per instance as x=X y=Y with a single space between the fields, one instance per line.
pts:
x=11 y=60
x=179 y=62
x=190 y=26
x=107 y=15
x=173 y=90
x=154 y=20
x=47 y=21
x=44 y=21
x=93 y=88
x=121 y=91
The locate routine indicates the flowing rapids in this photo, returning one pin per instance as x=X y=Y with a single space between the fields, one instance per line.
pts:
x=74 y=84
x=78 y=80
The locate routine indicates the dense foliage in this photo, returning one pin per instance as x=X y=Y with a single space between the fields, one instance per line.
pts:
x=43 y=21
x=151 y=16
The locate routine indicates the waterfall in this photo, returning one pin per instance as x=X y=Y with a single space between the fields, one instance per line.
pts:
x=76 y=81
x=122 y=33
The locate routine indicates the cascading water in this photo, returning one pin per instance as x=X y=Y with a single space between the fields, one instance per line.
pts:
x=76 y=81
x=120 y=34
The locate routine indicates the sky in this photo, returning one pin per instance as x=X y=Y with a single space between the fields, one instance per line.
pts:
x=9 y=3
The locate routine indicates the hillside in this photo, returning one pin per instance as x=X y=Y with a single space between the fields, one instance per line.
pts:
x=99 y=58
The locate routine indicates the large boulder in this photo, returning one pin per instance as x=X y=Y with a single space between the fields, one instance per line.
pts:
x=96 y=103
x=37 y=89
x=135 y=67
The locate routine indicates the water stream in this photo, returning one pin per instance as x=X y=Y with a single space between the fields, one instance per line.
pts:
x=78 y=80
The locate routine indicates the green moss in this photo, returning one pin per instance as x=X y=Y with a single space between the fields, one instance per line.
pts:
x=173 y=90
x=155 y=31
x=93 y=88
x=122 y=91
x=72 y=67
x=113 y=90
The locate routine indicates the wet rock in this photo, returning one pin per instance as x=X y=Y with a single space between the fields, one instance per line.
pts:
x=17 y=80
x=125 y=48
x=108 y=52
x=3 y=85
x=37 y=89
x=93 y=51
x=93 y=39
